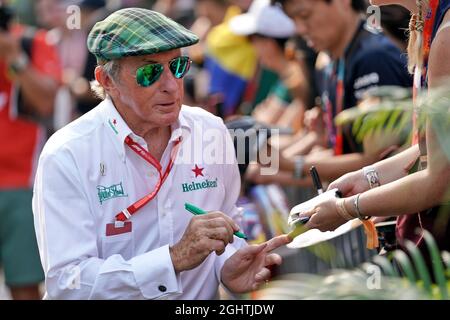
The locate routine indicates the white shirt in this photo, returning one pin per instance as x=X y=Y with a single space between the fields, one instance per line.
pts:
x=87 y=174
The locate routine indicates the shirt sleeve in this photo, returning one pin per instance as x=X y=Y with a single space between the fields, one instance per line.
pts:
x=67 y=232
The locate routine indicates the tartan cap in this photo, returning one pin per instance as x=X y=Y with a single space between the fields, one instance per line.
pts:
x=134 y=32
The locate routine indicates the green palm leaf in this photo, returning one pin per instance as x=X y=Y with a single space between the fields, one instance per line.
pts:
x=438 y=268
x=393 y=112
x=421 y=268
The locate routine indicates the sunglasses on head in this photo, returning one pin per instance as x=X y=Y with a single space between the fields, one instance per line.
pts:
x=150 y=73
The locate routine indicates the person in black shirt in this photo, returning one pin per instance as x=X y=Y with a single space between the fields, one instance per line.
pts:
x=359 y=59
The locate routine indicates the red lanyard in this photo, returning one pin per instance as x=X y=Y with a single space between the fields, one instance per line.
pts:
x=144 y=154
x=336 y=135
x=420 y=75
x=339 y=146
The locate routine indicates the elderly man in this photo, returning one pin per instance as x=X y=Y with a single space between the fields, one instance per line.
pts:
x=111 y=187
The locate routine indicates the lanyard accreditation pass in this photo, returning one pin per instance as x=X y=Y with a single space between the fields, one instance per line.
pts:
x=144 y=154
x=335 y=134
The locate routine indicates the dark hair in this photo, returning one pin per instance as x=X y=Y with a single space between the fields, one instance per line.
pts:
x=357 y=5
x=395 y=21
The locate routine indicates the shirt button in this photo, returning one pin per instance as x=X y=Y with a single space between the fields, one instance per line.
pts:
x=162 y=288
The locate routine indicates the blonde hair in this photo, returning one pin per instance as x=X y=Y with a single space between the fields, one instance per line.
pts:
x=415 y=53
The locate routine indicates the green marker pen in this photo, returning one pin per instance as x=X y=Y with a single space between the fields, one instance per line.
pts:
x=197 y=211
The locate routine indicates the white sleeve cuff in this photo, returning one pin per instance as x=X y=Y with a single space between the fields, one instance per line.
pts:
x=155 y=274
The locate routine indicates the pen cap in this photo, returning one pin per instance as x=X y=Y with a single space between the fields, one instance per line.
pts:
x=308 y=205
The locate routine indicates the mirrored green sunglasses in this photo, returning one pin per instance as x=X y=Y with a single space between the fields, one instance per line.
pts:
x=150 y=73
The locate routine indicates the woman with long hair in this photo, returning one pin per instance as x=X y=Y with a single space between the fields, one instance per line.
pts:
x=413 y=184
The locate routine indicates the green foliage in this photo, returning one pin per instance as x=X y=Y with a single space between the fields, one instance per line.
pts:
x=404 y=275
x=399 y=276
x=390 y=109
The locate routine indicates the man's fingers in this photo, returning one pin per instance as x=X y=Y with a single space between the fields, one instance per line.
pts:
x=249 y=252
x=220 y=215
x=217 y=245
x=276 y=242
x=220 y=233
x=262 y=275
x=273 y=259
x=218 y=223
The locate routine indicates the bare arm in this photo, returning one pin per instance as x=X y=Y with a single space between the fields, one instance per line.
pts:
x=426 y=188
x=292 y=114
x=331 y=167
x=38 y=90
x=269 y=111
x=395 y=167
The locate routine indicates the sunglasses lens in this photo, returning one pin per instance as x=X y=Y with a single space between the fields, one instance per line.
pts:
x=148 y=74
x=180 y=66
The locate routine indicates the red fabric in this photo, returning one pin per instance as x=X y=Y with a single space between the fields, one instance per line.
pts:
x=20 y=136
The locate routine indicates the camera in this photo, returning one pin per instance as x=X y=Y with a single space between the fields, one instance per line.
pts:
x=6 y=15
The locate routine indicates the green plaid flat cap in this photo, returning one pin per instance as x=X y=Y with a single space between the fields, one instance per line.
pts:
x=134 y=32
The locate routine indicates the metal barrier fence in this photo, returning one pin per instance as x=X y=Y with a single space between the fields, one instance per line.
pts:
x=345 y=249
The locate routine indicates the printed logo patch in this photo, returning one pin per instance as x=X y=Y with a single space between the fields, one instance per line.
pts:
x=114 y=191
x=198 y=171
x=205 y=184
x=113 y=124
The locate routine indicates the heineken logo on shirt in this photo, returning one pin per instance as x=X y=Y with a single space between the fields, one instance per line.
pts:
x=198 y=171
x=114 y=191
x=205 y=184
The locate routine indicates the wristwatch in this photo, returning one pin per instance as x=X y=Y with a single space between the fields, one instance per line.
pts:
x=372 y=176
x=299 y=162
x=19 y=64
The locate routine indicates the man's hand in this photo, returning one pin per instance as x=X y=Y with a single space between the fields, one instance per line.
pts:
x=351 y=183
x=204 y=234
x=248 y=267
